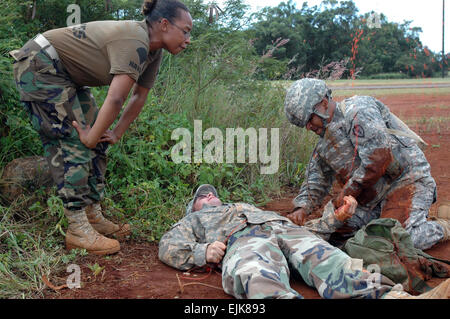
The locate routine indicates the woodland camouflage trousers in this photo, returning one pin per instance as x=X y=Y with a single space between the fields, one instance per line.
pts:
x=53 y=101
x=260 y=258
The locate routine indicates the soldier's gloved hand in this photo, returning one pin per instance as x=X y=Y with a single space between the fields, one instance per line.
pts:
x=347 y=210
x=215 y=252
x=298 y=216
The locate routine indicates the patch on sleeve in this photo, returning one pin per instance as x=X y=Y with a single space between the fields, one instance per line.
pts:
x=358 y=131
x=79 y=31
x=142 y=52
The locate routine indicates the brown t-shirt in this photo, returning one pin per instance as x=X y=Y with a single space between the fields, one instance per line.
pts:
x=94 y=52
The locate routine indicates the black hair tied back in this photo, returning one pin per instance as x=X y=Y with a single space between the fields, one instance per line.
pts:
x=148 y=6
x=154 y=10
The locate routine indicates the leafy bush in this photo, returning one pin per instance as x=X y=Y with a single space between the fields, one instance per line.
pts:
x=17 y=138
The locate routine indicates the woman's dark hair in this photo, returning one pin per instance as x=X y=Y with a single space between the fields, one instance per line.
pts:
x=155 y=10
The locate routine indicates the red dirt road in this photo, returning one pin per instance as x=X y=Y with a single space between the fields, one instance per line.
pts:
x=135 y=272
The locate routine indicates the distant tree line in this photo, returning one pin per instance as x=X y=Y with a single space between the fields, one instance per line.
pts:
x=332 y=32
x=330 y=40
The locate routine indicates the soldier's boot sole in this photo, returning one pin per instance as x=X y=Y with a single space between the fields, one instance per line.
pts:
x=99 y=246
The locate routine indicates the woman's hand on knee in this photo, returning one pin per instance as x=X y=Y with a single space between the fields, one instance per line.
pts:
x=83 y=134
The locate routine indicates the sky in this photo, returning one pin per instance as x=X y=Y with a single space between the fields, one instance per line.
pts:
x=424 y=14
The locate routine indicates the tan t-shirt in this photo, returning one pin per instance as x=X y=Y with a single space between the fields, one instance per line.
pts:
x=94 y=52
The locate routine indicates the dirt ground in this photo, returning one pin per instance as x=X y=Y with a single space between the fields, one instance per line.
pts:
x=136 y=273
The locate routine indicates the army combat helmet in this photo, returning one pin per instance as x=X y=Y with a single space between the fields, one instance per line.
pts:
x=301 y=99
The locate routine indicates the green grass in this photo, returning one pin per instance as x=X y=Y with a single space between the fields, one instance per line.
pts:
x=31 y=245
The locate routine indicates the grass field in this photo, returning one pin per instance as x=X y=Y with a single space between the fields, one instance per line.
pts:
x=389 y=82
x=31 y=243
x=426 y=113
x=339 y=85
x=390 y=92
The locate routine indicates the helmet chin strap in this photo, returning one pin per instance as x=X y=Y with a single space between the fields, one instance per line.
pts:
x=325 y=123
x=324 y=117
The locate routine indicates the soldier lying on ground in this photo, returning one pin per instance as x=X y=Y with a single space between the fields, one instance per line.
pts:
x=372 y=155
x=257 y=250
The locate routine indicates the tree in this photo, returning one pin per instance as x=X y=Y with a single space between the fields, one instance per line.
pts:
x=318 y=35
x=334 y=32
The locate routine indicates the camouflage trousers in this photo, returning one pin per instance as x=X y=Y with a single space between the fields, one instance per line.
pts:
x=409 y=203
x=259 y=260
x=53 y=101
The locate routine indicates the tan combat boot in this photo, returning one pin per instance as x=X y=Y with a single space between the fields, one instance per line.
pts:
x=443 y=219
x=104 y=226
x=444 y=211
x=80 y=234
x=445 y=223
x=440 y=292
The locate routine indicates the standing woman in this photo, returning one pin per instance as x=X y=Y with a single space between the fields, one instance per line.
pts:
x=52 y=72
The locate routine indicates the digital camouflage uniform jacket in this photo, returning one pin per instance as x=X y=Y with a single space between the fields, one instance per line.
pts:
x=359 y=152
x=184 y=246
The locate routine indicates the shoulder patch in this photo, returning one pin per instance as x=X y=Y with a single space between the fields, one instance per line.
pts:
x=79 y=31
x=358 y=131
x=142 y=52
